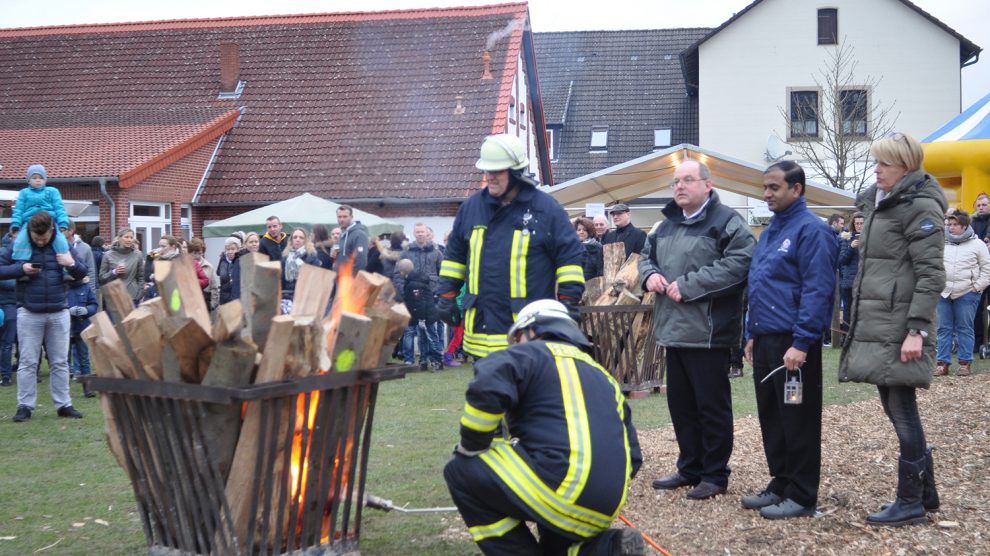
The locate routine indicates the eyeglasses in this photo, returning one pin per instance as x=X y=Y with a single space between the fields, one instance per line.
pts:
x=684 y=181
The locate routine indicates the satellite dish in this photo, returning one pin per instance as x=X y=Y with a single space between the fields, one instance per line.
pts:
x=776 y=149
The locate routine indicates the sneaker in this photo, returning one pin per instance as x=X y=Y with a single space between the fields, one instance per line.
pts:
x=449 y=361
x=964 y=368
x=69 y=411
x=941 y=369
x=5 y=381
x=436 y=366
x=735 y=372
x=23 y=414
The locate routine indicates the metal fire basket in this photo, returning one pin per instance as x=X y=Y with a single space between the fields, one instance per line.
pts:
x=623 y=343
x=181 y=490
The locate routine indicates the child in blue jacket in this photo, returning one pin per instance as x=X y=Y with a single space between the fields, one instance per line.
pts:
x=37 y=196
x=82 y=305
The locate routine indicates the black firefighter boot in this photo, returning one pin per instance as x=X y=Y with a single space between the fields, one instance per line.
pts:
x=929 y=494
x=907 y=509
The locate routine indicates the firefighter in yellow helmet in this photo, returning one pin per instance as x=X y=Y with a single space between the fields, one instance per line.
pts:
x=566 y=452
x=511 y=244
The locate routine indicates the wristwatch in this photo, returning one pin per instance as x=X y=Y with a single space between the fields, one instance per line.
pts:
x=917 y=332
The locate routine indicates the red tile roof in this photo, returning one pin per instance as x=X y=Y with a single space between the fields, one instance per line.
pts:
x=346 y=106
x=130 y=145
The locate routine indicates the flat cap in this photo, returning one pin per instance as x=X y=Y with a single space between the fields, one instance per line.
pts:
x=620 y=207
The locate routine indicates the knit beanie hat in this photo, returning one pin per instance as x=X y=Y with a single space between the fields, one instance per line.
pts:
x=36 y=169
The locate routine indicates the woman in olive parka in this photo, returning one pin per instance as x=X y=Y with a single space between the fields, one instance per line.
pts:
x=891 y=340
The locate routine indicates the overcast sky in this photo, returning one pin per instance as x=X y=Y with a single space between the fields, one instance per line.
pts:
x=971 y=18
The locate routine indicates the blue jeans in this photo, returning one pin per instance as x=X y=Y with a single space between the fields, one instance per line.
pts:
x=52 y=330
x=426 y=334
x=901 y=407
x=955 y=316
x=8 y=336
x=78 y=356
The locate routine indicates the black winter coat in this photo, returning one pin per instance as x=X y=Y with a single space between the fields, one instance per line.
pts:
x=418 y=297
x=44 y=292
x=848 y=264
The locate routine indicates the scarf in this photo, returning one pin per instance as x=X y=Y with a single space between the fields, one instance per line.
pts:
x=293 y=261
x=956 y=240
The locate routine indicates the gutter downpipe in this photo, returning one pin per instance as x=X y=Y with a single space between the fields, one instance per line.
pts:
x=113 y=208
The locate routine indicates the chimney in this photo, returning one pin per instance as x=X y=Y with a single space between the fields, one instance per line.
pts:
x=230 y=67
x=486 y=59
x=459 y=109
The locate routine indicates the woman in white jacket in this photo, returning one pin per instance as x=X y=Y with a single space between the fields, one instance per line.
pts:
x=967 y=274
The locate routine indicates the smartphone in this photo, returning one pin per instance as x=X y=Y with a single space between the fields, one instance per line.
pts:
x=35 y=265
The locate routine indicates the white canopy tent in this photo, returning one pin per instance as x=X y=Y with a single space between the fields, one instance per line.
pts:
x=650 y=175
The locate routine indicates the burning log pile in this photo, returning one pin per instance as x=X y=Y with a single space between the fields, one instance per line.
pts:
x=618 y=318
x=232 y=448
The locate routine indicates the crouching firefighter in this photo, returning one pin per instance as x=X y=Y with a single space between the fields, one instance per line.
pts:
x=546 y=437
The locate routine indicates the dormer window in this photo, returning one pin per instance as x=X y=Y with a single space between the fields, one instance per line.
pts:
x=828 y=26
x=599 y=139
x=661 y=139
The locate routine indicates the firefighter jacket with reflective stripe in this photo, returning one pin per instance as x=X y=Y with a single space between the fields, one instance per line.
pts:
x=578 y=445
x=509 y=256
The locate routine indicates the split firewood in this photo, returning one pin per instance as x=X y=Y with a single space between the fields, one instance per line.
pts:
x=179 y=288
x=375 y=341
x=230 y=321
x=231 y=366
x=144 y=334
x=103 y=367
x=272 y=365
x=593 y=289
x=118 y=299
x=313 y=288
x=628 y=276
x=305 y=347
x=187 y=339
x=104 y=331
x=348 y=343
x=627 y=298
x=263 y=297
x=614 y=255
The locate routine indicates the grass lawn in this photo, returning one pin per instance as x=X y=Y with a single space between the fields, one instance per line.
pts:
x=59 y=483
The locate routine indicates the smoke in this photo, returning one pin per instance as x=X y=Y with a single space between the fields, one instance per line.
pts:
x=497 y=36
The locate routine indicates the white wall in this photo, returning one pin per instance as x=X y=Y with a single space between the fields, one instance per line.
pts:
x=747 y=68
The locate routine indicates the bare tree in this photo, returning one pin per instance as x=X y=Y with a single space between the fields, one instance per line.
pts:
x=832 y=129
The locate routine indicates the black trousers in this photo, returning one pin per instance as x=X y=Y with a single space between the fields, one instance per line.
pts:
x=700 y=401
x=792 y=434
x=483 y=500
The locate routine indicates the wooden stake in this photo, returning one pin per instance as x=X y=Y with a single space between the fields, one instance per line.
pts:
x=118 y=300
x=628 y=275
x=179 y=289
x=615 y=255
x=230 y=321
x=313 y=288
x=145 y=337
x=187 y=339
x=105 y=332
x=263 y=299
x=104 y=368
x=231 y=366
x=349 y=341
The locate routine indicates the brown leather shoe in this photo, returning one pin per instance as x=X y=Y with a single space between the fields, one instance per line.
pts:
x=964 y=368
x=941 y=369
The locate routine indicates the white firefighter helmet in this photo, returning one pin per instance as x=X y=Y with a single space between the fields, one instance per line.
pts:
x=548 y=317
x=502 y=152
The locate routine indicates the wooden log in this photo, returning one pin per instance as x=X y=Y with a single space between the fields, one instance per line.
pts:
x=305 y=347
x=231 y=366
x=264 y=299
x=271 y=368
x=118 y=300
x=104 y=368
x=396 y=317
x=230 y=321
x=593 y=290
x=628 y=275
x=179 y=288
x=146 y=340
x=627 y=298
x=349 y=340
x=606 y=298
x=243 y=475
x=375 y=342
x=367 y=286
x=187 y=339
x=105 y=331
x=156 y=306
x=313 y=288
x=614 y=255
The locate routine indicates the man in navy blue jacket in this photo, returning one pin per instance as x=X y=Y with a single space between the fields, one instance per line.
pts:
x=791 y=283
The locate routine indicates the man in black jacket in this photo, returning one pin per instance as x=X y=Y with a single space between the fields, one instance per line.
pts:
x=633 y=238
x=274 y=240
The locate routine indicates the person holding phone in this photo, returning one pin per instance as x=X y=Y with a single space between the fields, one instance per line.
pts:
x=42 y=315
